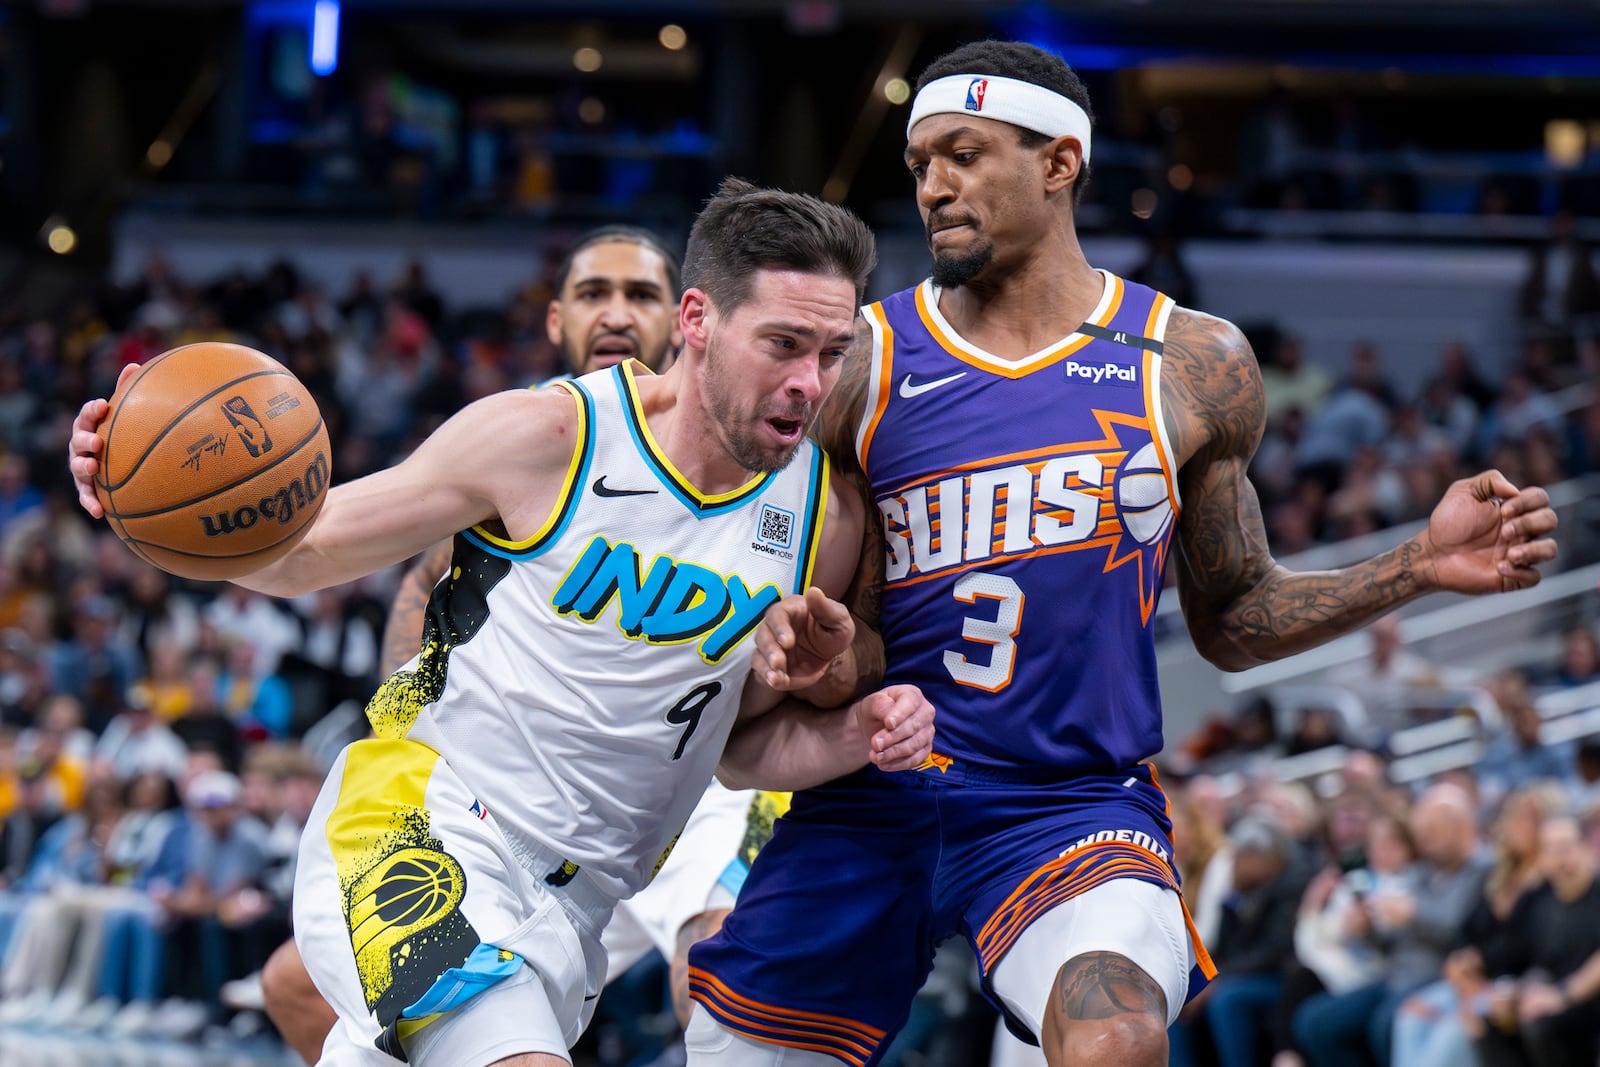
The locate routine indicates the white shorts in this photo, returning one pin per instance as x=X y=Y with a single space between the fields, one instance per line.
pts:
x=686 y=885
x=1140 y=920
x=408 y=898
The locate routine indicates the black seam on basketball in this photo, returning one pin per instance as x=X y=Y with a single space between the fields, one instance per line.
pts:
x=131 y=541
x=178 y=418
x=122 y=533
x=144 y=368
x=219 y=490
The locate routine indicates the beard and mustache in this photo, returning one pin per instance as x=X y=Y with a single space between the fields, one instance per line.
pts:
x=953 y=269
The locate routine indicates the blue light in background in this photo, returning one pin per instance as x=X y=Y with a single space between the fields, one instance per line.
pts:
x=324 y=37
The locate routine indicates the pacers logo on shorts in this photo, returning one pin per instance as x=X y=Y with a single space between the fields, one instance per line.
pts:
x=405 y=924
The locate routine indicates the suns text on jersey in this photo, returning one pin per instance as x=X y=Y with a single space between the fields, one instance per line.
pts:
x=1006 y=510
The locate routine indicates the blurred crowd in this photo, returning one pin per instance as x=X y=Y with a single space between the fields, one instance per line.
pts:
x=161 y=741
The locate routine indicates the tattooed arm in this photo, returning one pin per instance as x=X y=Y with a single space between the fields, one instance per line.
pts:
x=798 y=648
x=1241 y=607
x=402 y=630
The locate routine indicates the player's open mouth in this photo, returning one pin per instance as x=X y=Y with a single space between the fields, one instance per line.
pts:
x=787 y=430
x=612 y=351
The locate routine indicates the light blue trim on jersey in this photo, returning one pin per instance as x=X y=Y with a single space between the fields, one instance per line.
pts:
x=810 y=528
x=484 y=967
x=571 y=494
x=733 y=877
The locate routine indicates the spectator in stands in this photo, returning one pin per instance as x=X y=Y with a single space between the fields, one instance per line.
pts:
x=136 y=742
x=94 y=664
x=237 y=614
x=1519 y=409
x=1290 y=383
x=51 y=777
x=1204 y=860
x=1580 y=658
x=1355 y=414
x=1336 y=947
x=1550 y=1015
x=205 y=724
x=1163 y=269
x=226 y=855
x=1431 y=1028
x=154 y=612
x=18 y=494
x=1413 y=926
x=1388 y=680
x=1254 y=939
x=1518 y=756
x=1560 y=289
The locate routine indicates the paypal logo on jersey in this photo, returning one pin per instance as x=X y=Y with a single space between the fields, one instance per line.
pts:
x=1104 y=372
x=675 y=602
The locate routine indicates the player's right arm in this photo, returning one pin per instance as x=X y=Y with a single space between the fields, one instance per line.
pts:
x=504 y=456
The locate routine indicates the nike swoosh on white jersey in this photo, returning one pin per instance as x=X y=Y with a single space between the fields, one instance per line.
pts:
x=908 y=390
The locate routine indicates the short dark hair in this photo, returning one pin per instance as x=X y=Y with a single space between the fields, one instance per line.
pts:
x=744 y=228
x=1024 y=62
x=635 y=235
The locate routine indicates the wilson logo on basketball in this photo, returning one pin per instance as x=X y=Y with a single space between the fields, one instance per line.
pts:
x=280 y=507
x=251 y=432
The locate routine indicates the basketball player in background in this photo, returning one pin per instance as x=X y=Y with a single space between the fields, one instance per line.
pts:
x=616 y=299
x=1033 y=433
x=572 y=701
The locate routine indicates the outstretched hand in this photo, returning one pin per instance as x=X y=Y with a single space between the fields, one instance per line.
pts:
x=898 y=721
x=798 y=638
x=83 y=449
x=1488 y=536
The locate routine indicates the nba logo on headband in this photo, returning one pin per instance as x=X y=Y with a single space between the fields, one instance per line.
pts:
x=975 y=93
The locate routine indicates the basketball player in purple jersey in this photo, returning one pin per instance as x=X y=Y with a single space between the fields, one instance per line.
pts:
x=1041 y=439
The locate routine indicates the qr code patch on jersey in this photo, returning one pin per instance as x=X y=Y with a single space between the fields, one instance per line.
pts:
x=777 y=526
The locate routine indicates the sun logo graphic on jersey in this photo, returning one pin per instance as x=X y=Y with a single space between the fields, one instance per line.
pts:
x=674 y=602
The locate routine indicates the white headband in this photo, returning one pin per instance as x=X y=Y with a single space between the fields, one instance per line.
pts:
x=1033 y=107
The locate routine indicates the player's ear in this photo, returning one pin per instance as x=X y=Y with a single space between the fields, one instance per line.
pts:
x=552 y=323
x=1063 y=159
x=694 y=318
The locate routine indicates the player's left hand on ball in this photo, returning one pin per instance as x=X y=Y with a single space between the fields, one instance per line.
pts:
x=798 y=639
x=83 y=449
x=899 y=722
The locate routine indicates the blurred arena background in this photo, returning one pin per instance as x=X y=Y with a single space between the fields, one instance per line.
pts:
x=1397 y=200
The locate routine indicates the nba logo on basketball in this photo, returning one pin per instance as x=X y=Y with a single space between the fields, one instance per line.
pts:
x=975 y=93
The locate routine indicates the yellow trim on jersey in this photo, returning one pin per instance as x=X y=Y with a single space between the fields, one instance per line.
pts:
x=975 y=357
x=821 y=488
x=657 y=455
x=571 y=485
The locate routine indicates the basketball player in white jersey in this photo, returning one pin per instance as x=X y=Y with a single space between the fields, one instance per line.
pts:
x=575 y=693
x=616 y=299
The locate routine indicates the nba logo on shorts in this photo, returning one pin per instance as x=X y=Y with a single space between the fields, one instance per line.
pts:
x=975 y=93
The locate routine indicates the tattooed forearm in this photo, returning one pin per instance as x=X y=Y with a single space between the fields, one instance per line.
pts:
x=696 y=929
x=1098 y=985
x=402 y=630
x=1289 y=613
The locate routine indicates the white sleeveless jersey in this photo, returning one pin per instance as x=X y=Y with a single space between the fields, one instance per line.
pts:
x=584 y=681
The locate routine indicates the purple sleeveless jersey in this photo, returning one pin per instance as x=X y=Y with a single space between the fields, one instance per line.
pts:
x=1028 y=509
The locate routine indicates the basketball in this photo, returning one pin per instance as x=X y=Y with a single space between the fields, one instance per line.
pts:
x=215 y=461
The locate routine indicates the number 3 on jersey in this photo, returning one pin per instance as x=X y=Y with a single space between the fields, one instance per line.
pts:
x=999 y=633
